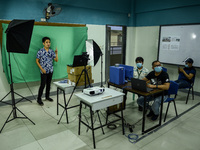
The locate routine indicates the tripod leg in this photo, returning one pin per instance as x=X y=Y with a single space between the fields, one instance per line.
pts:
x=100 y=122
x=25 y=116
x=5 y=96
x=86 y=73
x=22 y=98
x=6 y=120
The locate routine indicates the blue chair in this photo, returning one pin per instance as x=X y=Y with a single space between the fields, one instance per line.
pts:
x=189 y=89
x=164 y=69
x=173 y=90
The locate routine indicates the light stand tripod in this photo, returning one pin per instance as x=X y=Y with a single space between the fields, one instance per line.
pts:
x=14 y=108
x=86 y=77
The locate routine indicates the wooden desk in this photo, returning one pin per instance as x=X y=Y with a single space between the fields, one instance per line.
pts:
x=127 y=88
x=95 y=103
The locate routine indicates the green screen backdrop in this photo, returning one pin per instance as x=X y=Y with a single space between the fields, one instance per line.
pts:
x=69 y=41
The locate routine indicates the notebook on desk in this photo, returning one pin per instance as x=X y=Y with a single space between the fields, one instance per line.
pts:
x=138 y=84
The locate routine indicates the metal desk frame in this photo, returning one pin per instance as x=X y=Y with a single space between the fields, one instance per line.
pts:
x=127 y=88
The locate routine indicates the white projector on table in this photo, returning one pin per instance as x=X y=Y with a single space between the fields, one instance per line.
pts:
x=94 y=90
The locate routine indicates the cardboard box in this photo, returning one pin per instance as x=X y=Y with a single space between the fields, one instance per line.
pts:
x=74 y=78
x=78 y=70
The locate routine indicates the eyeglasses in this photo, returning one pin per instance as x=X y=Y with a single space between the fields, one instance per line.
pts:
x=157 y=65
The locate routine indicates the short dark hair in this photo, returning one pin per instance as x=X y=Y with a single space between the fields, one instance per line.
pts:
x=140 y=59
x=189 y=60
x=45 y=38
x=155 y=61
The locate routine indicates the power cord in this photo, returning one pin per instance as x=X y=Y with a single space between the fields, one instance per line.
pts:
x=32 y=92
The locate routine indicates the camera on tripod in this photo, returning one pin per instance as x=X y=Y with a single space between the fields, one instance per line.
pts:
x=85 y=58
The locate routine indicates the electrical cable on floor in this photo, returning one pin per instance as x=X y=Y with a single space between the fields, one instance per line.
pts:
x=32 y=92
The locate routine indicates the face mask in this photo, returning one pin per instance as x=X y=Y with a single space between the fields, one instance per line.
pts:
x=186 y=66
x=158 y=69
x=139 y=65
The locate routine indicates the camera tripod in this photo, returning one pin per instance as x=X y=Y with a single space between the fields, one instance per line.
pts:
x=66 y=105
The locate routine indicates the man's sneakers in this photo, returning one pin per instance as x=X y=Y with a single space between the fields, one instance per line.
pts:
x=49 y=99
x=152 y=115
x=140 y=108
x=39 y=101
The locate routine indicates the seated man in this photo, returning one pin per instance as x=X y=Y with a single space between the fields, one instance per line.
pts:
x=186 y=75
x=139 y=72
x=158 y=79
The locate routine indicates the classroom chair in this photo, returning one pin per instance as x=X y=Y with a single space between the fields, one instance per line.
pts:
x=173 y=89
x=164 y=69
x=189 y=89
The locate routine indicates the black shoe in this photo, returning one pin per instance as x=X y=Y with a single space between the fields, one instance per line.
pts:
x=40 y=102
x=49 y=99
x=154 y=117
x=150 y=114
x=140 y=108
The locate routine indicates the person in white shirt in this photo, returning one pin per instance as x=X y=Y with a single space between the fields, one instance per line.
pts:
x=139 y=72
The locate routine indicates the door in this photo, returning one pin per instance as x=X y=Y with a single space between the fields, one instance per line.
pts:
x=115 y=47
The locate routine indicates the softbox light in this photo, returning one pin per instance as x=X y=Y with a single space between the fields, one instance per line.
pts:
x=94 y=52
x=19 y=34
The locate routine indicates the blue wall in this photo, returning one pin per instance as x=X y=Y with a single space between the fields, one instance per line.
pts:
x=102 y=12
x=158 y=12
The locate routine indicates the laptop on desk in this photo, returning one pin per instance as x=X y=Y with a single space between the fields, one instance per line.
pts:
x=78 y=61
x=140 y=85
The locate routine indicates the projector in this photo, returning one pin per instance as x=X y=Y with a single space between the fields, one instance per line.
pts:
x=94 y=91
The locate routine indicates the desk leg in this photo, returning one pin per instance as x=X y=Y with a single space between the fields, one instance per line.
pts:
x=161 y=109
x=79 y=123
x=65 y=107
x=100 y=122
x=143 y=120
x=57 y=99
x=92 y=125
x=122 y=116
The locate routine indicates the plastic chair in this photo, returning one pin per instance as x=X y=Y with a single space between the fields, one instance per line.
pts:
x=173 y=89
x=189 y=89
x=164 y=69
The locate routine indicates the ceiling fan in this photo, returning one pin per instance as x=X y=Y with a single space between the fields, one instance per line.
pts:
x=51 y=10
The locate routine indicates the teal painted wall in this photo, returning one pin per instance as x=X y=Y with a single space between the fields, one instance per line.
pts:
x=114 y=12
x=102 y=12
x=158 y=12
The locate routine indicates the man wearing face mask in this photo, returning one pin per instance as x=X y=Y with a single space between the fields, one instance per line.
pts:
x=139 y=72
x=186 y=75
x=158 y=79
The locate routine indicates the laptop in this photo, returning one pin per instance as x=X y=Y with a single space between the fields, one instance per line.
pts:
x=78 y=61
x=140 y=85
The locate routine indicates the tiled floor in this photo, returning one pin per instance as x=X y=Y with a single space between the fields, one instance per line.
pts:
x=20 y=134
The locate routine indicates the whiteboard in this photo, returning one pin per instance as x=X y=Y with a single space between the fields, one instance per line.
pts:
x=178 y=42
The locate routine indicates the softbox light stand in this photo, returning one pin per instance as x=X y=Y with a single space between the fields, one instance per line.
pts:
x=18 y=40
x=94 y=54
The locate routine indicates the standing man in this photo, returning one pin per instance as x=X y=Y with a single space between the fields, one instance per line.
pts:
x=186 y=75
x=44 y=60
x=158 y=79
